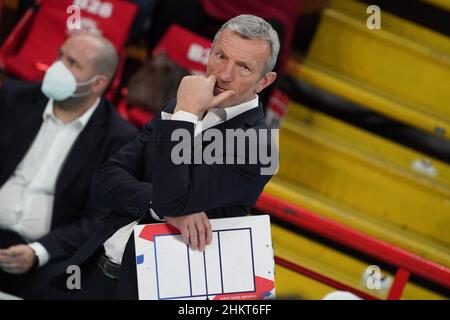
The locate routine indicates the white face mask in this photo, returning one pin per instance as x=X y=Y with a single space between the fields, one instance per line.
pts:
x=59 y=83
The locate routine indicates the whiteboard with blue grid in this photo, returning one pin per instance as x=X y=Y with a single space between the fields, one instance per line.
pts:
x=230 y=266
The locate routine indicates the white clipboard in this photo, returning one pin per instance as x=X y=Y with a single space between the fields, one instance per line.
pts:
x=238 y=264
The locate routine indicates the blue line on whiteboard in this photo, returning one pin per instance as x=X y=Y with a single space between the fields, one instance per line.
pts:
x=189 y=266
x=156 y=269
x=207 y=294
x=253 y=260
x=220 y=260
x=206 y=275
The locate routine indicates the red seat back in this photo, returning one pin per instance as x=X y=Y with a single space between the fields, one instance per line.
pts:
x=185 y=48
x=111 y=18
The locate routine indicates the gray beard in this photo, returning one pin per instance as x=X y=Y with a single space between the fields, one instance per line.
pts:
x=72 y=103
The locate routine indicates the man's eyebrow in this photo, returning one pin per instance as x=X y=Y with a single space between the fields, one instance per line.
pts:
x=69 y=58
x=220 y=50
x=245 y=63
x=238 y=62
x=73 y=59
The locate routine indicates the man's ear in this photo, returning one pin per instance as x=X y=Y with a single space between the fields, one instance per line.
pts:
x=100 y=84
x=266 y=81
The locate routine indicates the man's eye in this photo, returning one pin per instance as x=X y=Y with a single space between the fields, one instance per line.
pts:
x=220 y=56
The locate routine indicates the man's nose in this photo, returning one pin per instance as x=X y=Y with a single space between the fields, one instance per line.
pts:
x=227 y=73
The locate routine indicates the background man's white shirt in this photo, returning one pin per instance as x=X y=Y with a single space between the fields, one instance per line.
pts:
x=26 y=199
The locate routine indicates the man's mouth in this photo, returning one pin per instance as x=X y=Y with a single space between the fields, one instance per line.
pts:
x=218 y=90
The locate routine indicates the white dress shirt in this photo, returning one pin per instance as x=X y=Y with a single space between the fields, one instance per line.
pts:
x=26 y=199
x=115 y=245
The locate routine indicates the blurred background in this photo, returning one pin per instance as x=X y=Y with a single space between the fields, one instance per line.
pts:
x=361 y=201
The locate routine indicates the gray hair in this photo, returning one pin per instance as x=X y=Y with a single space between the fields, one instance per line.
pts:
x=251 y=27
x=107 y=59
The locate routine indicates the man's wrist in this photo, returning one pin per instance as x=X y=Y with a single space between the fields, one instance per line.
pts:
x=35 y=263
x=154 y=215
x=185 y=116
x=40 y=252
x=185 y=108
x=36 y=260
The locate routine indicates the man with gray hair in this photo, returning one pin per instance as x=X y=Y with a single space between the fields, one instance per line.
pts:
x=251 y=27
x=142 y=184
x=54 y=136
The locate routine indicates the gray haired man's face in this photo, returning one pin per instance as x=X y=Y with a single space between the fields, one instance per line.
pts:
x=237 y=64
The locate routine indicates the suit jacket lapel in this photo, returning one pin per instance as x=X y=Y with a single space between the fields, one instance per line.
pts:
x=22 y=137
x=84 y=145
x=248 y=118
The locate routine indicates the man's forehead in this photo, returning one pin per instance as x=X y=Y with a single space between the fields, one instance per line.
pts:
x=232 y=39
x=80 y=47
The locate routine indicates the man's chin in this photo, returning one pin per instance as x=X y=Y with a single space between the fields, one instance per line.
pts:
x=226 y=103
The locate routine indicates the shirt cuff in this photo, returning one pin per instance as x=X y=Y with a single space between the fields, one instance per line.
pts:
x=185 y=116
x=155 y=216
x=40 y=252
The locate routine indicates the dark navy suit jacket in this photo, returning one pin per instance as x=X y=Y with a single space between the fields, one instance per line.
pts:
x=142 y=176
x=74 y=217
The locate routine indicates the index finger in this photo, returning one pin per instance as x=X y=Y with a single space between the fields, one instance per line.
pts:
x=202 y=234
x=14 y=251
x=5 y=257
x=193 y=240
x=208 y=230
x=212 y=79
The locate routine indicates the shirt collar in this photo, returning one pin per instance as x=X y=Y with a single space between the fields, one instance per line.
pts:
x=228 y=113
x=81 y=120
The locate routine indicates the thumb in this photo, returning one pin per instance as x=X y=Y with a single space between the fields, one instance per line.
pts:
x=222 y=97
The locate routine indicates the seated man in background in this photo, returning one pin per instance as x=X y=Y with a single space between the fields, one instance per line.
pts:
x=53 y=137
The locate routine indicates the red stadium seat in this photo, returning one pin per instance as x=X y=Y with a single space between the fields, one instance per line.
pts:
x=33 y=44
x=187 y=49
x=133 y=114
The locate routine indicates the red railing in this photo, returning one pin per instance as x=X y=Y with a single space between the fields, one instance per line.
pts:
x=406 y=262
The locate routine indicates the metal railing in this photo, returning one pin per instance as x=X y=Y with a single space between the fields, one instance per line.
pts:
x=405 y=262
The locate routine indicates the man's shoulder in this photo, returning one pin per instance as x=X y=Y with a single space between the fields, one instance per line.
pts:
x=170 y=105
x=116 y=125
x=21 y=99
x=20 y=87
x=254 y=118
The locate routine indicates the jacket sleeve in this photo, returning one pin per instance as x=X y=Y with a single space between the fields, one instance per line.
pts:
x=119 y=184
x=64 y=241
x=180 y=189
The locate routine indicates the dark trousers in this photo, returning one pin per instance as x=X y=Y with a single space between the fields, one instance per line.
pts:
x=94 y=284
x=97 y=286
x=39 y=283
x=10 y=283
x=35 y=284
x=9 y=238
